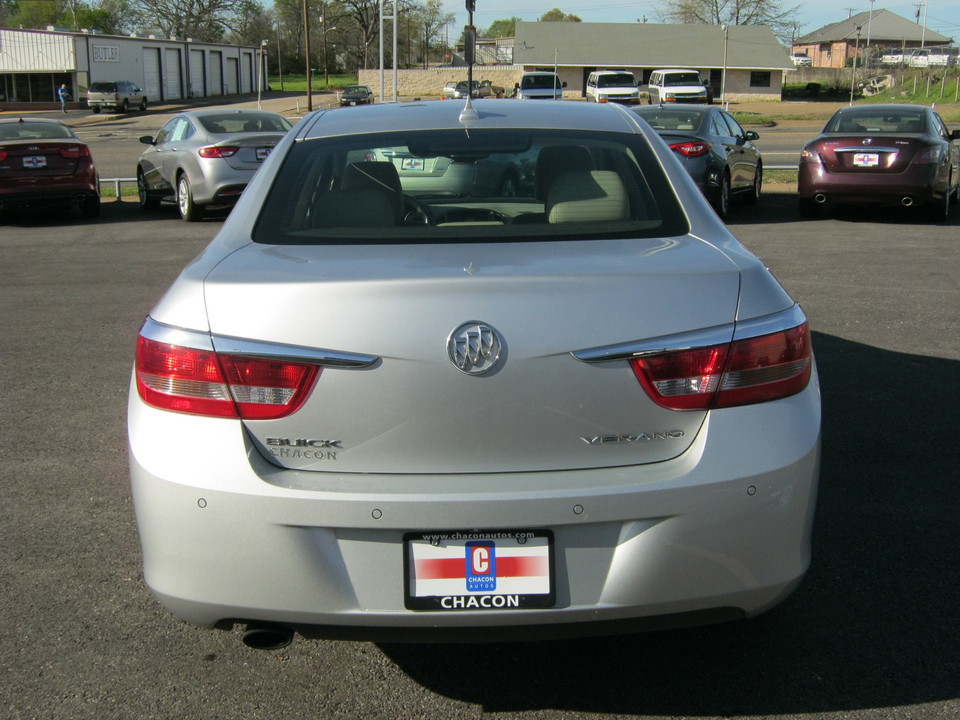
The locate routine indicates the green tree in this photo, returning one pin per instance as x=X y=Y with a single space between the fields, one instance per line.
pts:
x=501 y=28
x=557 y=15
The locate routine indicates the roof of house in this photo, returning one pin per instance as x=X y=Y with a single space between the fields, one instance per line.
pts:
x=612 y=45
x=882 y=26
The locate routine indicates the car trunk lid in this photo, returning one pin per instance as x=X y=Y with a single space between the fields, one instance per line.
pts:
x=873 y=154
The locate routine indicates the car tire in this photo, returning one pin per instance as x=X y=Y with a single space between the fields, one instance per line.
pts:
x=146 y=201
x=939 y=210
x=125 y=106
x=189 y=210
x=96 y=109
x=90 y=207
x=143 y=104
x=722 y=201
x=753 y=197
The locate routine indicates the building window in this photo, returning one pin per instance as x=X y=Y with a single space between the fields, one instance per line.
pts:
x=760 y=78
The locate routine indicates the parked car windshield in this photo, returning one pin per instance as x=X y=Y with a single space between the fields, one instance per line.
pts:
x=538 y=82
x=618 y=80
x=690 y=78
x=872 y=120
x=234 y=122
x=488 y=186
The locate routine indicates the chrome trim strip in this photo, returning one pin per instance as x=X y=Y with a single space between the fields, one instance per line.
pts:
x=754 y=327
x=867 y=148
x=197 y=340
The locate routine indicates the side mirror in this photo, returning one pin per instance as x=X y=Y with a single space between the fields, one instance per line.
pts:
x=751 y=135
x=146 y=139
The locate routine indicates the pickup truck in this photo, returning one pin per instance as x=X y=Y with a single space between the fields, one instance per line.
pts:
x=481 y=88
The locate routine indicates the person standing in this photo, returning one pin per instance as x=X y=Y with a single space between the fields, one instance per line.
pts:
x=64 y=95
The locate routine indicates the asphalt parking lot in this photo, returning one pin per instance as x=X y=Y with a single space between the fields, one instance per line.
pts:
x=872 y=632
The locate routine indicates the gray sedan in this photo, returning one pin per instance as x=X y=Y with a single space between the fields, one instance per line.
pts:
x=205 y=158
x=585 y=407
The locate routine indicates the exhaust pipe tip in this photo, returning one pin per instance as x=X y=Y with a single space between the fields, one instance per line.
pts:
x=267 y=636
x=906 y=201
x=820 y=198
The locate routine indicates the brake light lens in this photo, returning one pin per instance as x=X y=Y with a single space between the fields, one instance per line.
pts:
x=202 y=382
x=694 y=148
x=218 y=151
x=929 y=156
x=753 y=370
x=3 y=155
x=74 y=152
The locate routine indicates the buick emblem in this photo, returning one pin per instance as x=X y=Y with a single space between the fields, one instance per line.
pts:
x=474 y=348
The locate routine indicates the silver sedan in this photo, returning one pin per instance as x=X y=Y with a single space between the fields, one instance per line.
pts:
x=205 y=158
x=585 y=407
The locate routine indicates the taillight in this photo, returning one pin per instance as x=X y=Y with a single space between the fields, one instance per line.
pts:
x=218 y=151
x=752 y=370
x=809 y=155
x=203 y=382
x=928 y=156
x=3 y=155
x=75 y=151
x=693 y=148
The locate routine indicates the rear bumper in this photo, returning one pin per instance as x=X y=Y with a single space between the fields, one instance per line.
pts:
x=47 y=197
x=916 y=186
x=722 y=531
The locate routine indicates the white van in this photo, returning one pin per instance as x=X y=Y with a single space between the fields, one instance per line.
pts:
x=539 y=86
x=613 y=86
x=676 y=85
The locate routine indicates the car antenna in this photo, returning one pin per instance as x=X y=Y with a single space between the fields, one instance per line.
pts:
x=469 y=116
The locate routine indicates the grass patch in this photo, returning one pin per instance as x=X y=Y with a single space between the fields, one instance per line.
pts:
x=298 y=83
x=779 y=177
x=752 y=118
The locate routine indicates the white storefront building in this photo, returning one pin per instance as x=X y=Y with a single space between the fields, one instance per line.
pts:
x=34 y=63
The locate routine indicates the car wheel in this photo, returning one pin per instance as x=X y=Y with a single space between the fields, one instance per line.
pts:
x=753 y=197
x=509 y=186
x=143 y=104
x=96 y=109
x=955 y=195
x=809 y=208
x=125 y=107
x=722 y=202
x=189 y=210
x=146 y=202
x=90 y=207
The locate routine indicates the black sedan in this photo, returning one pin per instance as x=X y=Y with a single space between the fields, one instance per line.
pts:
x=895 y=155
x=717 y=153
x=356 y=95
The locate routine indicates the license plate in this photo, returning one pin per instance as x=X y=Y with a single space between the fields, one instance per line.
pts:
x=412 y=164
x=479 y=570
x=34 y=161
x=866 y=159
x=353 y=102
x=262 y=153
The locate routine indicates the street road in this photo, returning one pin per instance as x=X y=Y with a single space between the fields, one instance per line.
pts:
x=871 y=634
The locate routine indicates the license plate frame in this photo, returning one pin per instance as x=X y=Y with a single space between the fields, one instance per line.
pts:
x=863 y=159
x=34 y=162
x=263 y=153
x=479 y=570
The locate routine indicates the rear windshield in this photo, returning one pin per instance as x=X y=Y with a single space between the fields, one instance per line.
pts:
x=874 y=120
x=34 y=131
x=234 y=122
x=671 y=118
x=107 y=87
x=488 y=186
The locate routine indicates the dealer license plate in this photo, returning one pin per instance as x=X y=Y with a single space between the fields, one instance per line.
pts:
x=866 y=159
x=412 y=164
x=262 y=153
x=34 y=161
x=479 y=570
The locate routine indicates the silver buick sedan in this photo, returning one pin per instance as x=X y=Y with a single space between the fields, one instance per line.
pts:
x=204 y=159
x=581 y=409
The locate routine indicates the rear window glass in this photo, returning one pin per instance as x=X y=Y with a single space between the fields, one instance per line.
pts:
x=34 y=131
x=234 y=122
x=488 y=186
x=873 y=120
x=107 y=87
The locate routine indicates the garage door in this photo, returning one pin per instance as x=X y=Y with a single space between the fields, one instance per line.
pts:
x=231 y=77
x=151 y=74
x=171 y=74
x=198 y=88
x=216 y=73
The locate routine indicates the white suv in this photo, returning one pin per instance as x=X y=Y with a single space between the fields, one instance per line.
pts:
x=613 y=86
x=676 y=85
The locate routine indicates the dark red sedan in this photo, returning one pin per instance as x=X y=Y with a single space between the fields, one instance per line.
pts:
x=43 y=163
x=898 y=155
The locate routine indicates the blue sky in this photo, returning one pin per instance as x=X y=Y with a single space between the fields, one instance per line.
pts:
x=943 y=16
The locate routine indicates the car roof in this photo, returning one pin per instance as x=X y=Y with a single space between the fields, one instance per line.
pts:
x=27 y=118
x=220 y=112
x=499 y=114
